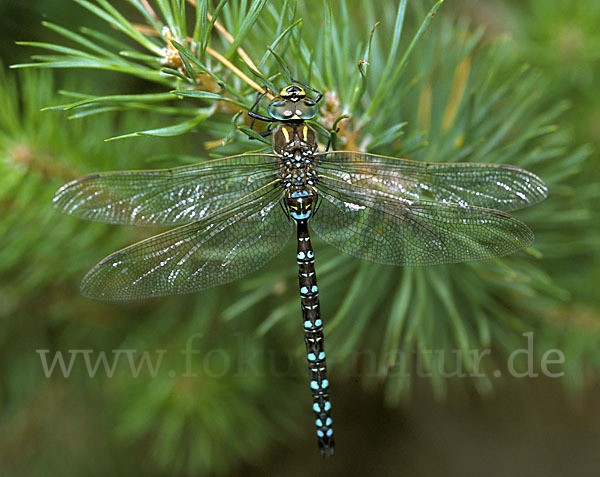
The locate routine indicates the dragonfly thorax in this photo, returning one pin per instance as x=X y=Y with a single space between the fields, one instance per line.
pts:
x=296 y=145
x=291 y=139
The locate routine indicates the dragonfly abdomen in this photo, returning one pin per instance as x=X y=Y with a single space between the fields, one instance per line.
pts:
x=313 y=337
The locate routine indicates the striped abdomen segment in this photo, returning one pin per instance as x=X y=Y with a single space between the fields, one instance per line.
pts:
x=313 y=337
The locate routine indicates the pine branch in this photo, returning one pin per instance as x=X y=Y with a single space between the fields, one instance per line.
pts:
x=416 y=85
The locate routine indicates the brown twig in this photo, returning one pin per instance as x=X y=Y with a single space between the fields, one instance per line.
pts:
x=229 y=37
x=150 y=11
x=237 y=71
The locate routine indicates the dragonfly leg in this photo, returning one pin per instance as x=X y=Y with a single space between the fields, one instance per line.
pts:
x=265 y=133
x=253 y=111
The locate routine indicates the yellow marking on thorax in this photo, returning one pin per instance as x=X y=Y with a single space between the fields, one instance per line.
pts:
x=286 y=134
x=305 y=133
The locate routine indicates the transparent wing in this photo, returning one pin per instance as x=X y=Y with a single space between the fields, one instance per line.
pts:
x=387 y=229
x=214 y=250
x=494 y=186
x=165 y=197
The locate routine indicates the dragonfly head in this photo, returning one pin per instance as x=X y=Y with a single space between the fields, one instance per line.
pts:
x=293 y=93
x=293 y=105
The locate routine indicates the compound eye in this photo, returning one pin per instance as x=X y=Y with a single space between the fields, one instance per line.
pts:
x=308 y=109
x=281 y=110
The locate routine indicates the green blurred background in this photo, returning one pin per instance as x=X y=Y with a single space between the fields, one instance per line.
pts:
x=246 y=410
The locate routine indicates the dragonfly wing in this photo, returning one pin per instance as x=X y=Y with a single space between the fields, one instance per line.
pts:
x=212 y=251
x=386 y=229
x=493 y=186
x=165 y=197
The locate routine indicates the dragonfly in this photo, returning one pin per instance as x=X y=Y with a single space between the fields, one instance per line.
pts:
x=233 y=215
